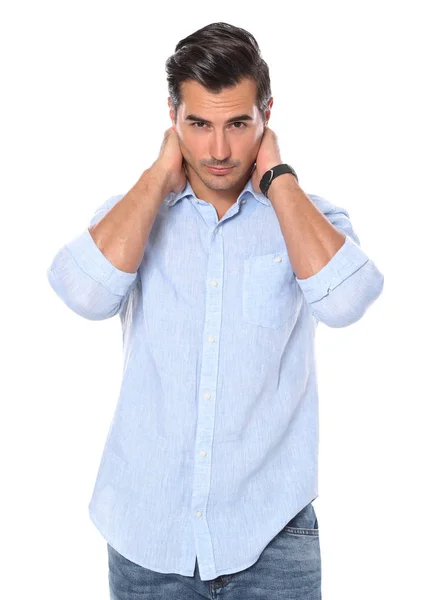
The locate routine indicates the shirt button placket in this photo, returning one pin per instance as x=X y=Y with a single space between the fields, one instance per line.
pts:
x=206 y=410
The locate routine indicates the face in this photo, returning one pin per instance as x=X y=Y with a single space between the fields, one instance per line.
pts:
x=211 y=135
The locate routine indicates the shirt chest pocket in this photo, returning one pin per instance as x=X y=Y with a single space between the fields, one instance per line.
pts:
x=268 y=294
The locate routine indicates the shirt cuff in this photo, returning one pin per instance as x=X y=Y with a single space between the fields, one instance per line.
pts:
x=94 y=263
x=347 y=260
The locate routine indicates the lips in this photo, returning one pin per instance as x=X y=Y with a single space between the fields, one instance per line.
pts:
x=219 y=171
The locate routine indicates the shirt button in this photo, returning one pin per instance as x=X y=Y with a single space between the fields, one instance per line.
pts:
x=243 y=201
x=207 y=395
x=198 y=514
x=278 y=259
x=211 y=338
x=203 y=453
x=214 y=282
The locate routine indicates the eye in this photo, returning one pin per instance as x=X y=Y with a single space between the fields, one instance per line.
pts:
x=203 y=123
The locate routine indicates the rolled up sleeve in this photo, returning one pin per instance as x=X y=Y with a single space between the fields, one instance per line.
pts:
x=342 y=290
x=85 y=279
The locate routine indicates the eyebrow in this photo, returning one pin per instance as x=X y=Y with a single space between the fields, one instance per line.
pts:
x=231 y=120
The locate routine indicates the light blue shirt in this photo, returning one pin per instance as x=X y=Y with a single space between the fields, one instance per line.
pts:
x=213 y=447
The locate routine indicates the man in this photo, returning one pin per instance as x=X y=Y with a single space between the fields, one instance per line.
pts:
x=210 y=466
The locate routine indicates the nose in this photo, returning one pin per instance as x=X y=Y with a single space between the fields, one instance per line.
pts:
x=220 y=149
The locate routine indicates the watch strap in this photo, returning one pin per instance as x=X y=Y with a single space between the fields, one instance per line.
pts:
x=271 y=174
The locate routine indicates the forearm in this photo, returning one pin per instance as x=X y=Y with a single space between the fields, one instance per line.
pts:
x=122 y=233
x=311 y=240
x=338 y=279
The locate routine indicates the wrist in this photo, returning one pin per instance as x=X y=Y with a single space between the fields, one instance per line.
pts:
x=160 y=176
x=285 y=180
x=272 y=174
x=152 y=185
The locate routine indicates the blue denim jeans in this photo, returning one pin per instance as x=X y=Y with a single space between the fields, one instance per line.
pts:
x=289 y=568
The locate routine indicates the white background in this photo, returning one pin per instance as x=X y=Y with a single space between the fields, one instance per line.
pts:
x=83 y=111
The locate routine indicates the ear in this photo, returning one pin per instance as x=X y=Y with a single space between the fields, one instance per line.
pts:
x=268 y=110
x=172 y=112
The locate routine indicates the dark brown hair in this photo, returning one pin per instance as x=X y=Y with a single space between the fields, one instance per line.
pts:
x=217 y=56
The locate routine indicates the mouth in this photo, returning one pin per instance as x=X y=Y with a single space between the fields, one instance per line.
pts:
x=219 y=171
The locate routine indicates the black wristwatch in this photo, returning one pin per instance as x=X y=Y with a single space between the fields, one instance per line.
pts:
x=271 y=174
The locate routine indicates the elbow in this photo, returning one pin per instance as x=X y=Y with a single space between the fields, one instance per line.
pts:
x=91 y=302
x=348 y=302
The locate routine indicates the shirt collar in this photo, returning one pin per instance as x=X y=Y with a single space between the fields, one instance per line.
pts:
x=172 y=197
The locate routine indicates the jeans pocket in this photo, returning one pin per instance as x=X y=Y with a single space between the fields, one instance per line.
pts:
x=304 y=523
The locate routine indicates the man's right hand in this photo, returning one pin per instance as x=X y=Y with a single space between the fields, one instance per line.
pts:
x=170 y=163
